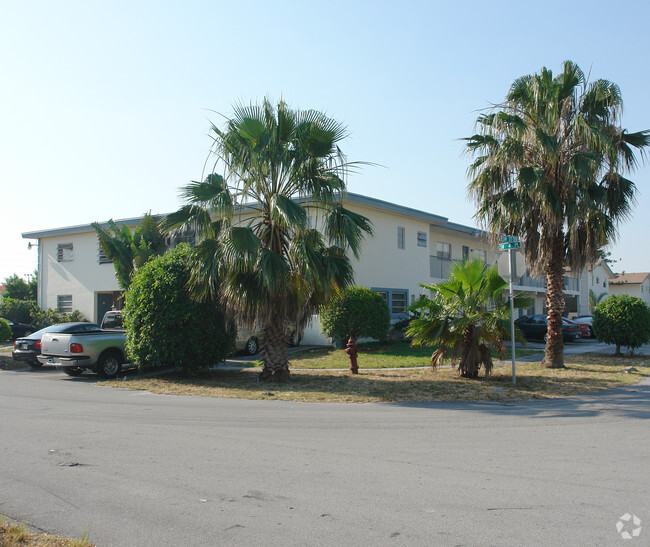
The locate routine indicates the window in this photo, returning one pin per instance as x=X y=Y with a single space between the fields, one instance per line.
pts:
x=396 y=300
x=465 y=252
x=64 y=303
x=64 y=252
x=103 y=259
x=444 y=250
x=480 y=254
x=400 y=237
x=422 y=239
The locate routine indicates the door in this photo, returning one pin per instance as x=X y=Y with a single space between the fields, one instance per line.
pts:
x=104 y=304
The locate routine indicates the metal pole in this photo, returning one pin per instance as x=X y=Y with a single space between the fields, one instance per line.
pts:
x=512 y=319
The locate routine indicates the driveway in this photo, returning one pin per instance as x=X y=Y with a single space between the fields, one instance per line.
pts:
x=134 y=468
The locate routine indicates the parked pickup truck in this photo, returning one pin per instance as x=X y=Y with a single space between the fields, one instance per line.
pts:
x=101 y=351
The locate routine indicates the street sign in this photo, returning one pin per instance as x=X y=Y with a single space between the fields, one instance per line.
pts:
x=511 y=245
x=509 y=239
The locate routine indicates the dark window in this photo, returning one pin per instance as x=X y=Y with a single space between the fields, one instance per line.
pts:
x=64 y=252
x=64 y=303
x=103 y=259
x=400 y=237
x=422 y=239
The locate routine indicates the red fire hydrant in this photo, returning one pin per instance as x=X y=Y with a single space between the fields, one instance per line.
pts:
x=352 y=354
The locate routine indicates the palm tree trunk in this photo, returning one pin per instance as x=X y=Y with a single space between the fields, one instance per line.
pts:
x=468 y=365
x=274 y=353
x=554 y=353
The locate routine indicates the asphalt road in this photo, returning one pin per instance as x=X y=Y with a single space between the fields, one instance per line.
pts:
x=137 y=469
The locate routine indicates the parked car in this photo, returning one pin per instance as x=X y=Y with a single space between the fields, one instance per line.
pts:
x=101 y=351
x=585 y=330
x=586 y=320
x=534 y=327
x=248 y=340
x=18 y=330
x=28 y=348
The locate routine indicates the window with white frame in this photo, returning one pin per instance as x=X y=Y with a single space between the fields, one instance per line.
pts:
x=401 y=235
x=64 y=252
x=64 y=303
x=422 y=239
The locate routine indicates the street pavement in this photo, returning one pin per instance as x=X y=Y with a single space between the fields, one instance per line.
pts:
x=137 y=469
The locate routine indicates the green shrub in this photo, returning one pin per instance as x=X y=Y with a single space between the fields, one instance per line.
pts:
x=357 y=312
x=44 y=318
x=165 y=326
x=18 y=311
x=5 y=331
x=622 y=320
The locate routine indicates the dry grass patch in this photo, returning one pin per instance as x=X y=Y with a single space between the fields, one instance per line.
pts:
x=583 y=374
x=17 y=535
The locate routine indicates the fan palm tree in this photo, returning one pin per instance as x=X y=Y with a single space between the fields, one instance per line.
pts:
x=549 y=167
x=466 y=314
x=259 y=249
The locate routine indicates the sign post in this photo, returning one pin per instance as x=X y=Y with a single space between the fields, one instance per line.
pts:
x=508 y=243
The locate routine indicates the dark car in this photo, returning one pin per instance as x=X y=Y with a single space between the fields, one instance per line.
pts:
x=29 y=347
x=533 y=327
x=19 y=329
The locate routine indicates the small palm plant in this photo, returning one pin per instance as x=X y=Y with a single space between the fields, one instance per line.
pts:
x=467 y=314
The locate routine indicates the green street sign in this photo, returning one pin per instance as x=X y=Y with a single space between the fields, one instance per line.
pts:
x=511 y=245
x=509 y=239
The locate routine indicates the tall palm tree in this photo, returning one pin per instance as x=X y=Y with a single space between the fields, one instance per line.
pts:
x=549 y=167
x=259 y=250
x=465 y=315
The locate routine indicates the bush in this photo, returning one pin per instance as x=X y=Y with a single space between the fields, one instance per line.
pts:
x=357 y=312
x=18 y=311
x=44 y=318
x=165 y=326
x=622 y=320
x=5 y=331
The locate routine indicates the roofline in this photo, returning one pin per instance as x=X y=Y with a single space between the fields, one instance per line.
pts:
x=431 y=218
x=80 y=228
x=625 y=282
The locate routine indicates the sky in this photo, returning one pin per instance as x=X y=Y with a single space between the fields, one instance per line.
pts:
x=106 y=107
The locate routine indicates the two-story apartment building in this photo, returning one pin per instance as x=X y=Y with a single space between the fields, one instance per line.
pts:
x=409 y=247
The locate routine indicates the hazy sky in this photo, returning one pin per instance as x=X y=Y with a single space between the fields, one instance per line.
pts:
x=105 y=107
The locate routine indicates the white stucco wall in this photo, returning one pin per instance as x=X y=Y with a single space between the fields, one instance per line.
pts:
x=82 y=277
x=640 y=290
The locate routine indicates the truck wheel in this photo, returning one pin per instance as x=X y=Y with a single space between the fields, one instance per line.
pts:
x=251 y=346
x=109 y=366
x=73 y=371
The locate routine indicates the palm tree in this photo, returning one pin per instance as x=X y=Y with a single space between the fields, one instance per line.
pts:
x=130 y=250
x=466 y=314
x=595 y=300
x=259 y=250
x=549 y=167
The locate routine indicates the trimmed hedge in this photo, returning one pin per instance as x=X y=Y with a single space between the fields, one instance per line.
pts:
x=165 y=325
x=358 y=312
x=622 y=320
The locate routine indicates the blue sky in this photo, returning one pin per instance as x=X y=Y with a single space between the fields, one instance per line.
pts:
x=105 y=106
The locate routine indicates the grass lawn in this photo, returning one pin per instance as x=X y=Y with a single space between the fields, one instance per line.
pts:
x=15 y=535
x=583 y=373
x=371 y=355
